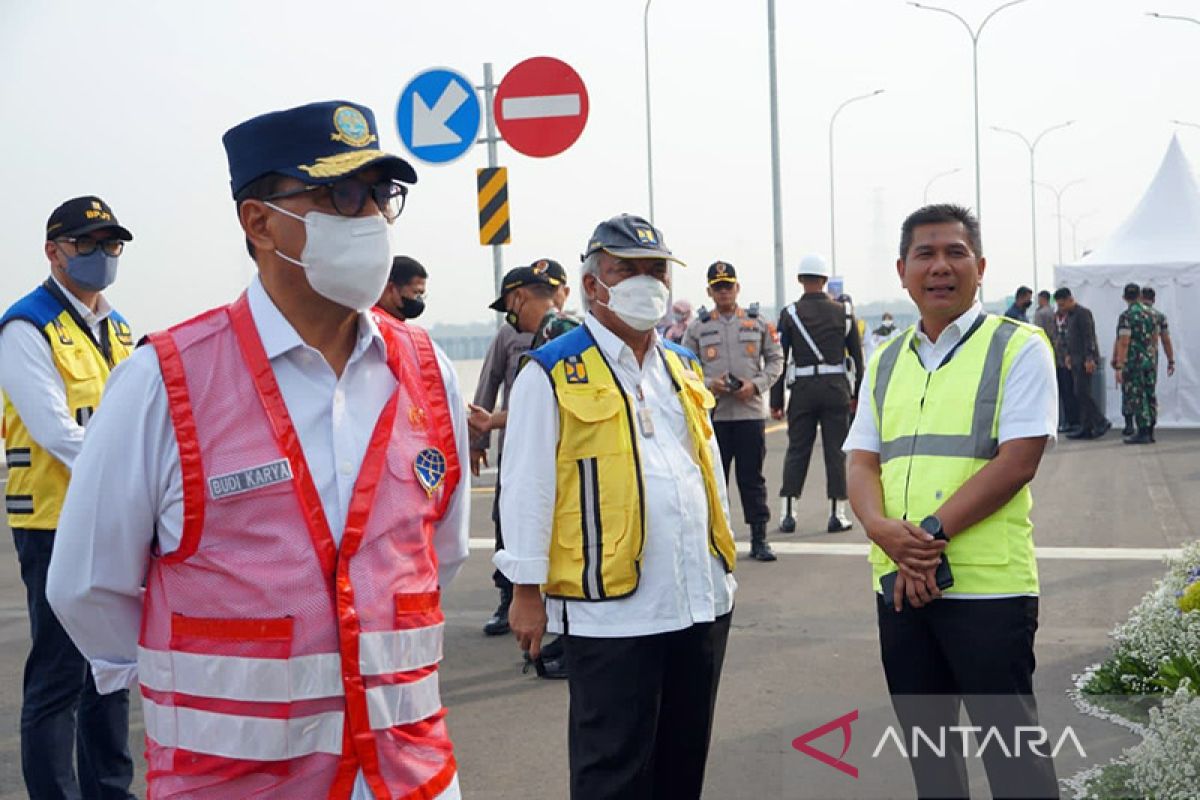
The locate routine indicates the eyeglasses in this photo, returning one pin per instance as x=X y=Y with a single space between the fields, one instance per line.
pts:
x=86 y=245
x=349 y=195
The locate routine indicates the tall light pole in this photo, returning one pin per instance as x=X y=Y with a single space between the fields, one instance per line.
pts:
x=832 y=224
x=1156 y=15
x=974 y=33
x=1074 y=223
x=930 y=182
x=1186 y=124
x=776 y=201
x=649 y=143
x=1033 y=184
x=1058 y=193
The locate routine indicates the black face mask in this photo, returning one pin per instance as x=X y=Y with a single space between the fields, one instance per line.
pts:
x=411 y=308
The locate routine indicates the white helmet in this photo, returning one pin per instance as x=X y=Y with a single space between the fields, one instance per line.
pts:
x=813 y=264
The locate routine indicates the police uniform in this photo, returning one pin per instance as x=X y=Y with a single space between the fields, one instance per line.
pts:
x=56 y=354
x=821 y=344
x=292 y=527
x=743 y=347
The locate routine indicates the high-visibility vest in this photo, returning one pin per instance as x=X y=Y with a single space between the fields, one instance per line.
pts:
x=37 y=481
x=600 y=503
x=272 y=661
x=937 y=429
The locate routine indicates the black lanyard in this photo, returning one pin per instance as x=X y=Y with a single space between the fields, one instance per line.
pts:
x=912 y=343
x=104 y=346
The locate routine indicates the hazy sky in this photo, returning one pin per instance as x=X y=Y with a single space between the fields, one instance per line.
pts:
x=128 y=100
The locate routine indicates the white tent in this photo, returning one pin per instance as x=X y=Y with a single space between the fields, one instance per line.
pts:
x=1158 y=246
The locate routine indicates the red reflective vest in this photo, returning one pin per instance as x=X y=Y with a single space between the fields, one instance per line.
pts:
x=273 y=662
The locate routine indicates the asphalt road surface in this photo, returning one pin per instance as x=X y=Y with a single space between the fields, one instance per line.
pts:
x=803 y=648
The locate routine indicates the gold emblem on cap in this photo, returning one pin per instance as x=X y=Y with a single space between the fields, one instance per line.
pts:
x=352 y=127
x=541 y=267
x=341 y=163
x=722 y=268
x=646 y=236
x=96 y=205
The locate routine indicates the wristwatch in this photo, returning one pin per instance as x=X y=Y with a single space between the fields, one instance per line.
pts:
x=933 y=526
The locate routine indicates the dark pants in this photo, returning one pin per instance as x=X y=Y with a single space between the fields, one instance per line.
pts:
x=641 y=712
x=1090 y=418
x=62 y=716
x=977 y=652
x=1068 y=408
x=498 y=578
x=745 y=441
x=824 y=400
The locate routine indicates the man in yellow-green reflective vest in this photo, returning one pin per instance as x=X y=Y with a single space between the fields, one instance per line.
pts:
x=961 y=408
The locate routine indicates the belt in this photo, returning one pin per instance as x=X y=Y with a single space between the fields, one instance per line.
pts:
x=818 y=369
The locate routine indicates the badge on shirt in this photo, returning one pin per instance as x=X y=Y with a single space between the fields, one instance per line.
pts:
x=430 y=466
x=575 y=370
x=247 y=480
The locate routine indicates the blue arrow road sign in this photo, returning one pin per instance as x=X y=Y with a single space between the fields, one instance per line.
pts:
x=438 y=116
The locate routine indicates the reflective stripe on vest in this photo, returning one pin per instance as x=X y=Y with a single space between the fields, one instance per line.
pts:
x=937 y=430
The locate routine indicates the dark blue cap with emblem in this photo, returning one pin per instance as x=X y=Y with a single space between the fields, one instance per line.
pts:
x=628 y=236
x=316 y=143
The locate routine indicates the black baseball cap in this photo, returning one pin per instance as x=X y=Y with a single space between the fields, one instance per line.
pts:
x=552 y=269
x=81 y=215
x=535 y=274
x=629 y=236
x=721 y=272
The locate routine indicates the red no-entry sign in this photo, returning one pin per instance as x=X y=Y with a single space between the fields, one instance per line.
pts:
x=541 y=107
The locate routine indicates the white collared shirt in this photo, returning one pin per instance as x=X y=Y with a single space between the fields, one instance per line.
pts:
x=34 y=385
x=682 y=583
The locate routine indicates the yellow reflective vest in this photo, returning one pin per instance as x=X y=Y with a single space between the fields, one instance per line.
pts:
x=937 y=429
x=37 y=481
x=600 y=504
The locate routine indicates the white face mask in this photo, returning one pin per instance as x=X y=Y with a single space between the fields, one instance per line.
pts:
x=347 y=259
x=640 y=301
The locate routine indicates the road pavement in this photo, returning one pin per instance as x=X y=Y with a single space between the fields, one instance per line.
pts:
x=802 y=649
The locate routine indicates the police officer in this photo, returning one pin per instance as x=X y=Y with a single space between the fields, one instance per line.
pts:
x=57 y=346
x=818 y=336
x=742 y=360
x=1136 y=367
x=288 y=494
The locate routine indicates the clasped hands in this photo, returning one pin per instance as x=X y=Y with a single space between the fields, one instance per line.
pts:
x=917 y=555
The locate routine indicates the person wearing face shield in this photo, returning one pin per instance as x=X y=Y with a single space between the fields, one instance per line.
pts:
x=288 y=491
x=58 y=345
x=616 y=527
x=404 y=295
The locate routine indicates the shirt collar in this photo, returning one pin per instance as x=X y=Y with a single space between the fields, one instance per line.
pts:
x=103 y=309
x=609 y=343
x=956 y=328
x=279 y=337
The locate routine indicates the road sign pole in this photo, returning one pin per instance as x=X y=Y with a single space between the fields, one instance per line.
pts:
x=489 y=94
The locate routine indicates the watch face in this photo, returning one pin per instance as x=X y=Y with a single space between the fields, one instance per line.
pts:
x=932 y=526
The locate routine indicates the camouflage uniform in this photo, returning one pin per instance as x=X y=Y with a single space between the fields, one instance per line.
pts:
x=1139 y=375
x=553 y=325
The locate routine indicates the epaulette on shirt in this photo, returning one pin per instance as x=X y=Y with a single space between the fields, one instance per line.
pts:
x=704 y=315
x=752 y=311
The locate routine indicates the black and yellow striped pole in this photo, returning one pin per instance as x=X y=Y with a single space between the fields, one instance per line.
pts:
x=492 y=185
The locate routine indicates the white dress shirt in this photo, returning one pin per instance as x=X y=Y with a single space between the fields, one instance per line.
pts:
x=682 y=583
x=127 y=487
x=34 y=385
x=1028 y=400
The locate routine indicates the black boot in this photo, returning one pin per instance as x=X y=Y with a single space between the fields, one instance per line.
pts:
x=1128 y=430
x=787 y=523
x=839 y=520
x=1141 y=437
x=497 y=624
x=759 y=549
x=1152 y=439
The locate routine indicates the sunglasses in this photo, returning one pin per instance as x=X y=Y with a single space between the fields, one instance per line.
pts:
x=349 y=195
x=86 y=245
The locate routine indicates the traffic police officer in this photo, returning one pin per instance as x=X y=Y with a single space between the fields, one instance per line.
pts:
x=57 y=347
x=819 y=336
x=742 y=360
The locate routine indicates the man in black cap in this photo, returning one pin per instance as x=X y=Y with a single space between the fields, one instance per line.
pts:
x=622 y=521
x=742 y=360
x=288 y=494
x=404 y=295
x=57 y=347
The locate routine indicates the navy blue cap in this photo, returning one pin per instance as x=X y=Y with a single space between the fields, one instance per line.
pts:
x=81 y=215
x=721 y=272
x=628 y=236
x=317 y=143
x=537 y=273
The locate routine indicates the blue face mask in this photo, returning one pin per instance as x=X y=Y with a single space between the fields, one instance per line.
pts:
x=95 y=272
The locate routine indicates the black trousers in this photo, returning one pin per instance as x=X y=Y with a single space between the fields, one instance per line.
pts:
x=823 y=400
x=641 y=712
x=498 y=578
x=1090 y=417
x=63 y=719
x=973 y=652
x=1067 y=406
x=744 y=441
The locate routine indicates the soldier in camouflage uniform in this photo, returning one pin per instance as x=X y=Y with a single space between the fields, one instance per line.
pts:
x=1133 y=360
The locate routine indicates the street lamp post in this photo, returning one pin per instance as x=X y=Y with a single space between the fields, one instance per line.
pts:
x=930 y=182
x=1074 y=223
x=1186 y=124
x=832 y=224
x=1058 y=193
x=974 y=33
x=1033 y=184
x=776 y=193
x=649 y=144
x=1156 y=15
